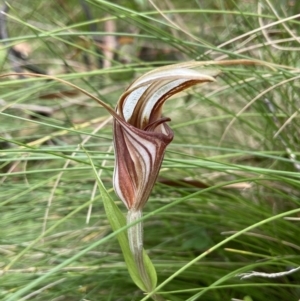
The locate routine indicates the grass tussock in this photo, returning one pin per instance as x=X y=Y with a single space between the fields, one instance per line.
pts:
x=227 y=198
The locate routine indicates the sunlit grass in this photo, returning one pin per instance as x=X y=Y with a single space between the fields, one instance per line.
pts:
x=230 y=179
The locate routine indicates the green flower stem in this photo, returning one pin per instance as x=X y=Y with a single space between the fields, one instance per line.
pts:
x=135 y=238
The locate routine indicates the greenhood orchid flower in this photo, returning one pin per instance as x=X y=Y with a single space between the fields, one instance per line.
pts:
x=141 y=135
x=140 y=140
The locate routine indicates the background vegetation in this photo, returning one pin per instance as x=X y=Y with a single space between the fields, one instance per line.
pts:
x=227 y=199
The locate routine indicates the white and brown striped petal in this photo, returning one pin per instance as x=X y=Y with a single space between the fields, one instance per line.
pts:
x=141 y=134
x=139 y=155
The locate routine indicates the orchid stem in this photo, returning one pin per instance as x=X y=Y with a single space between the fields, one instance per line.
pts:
x=135 y=238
